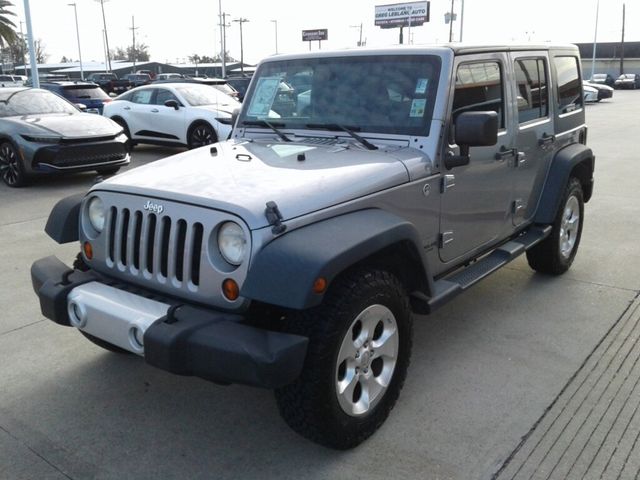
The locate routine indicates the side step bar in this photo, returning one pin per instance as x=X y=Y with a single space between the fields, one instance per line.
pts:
x=460 y=280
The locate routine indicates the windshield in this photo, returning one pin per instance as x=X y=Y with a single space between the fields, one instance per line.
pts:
x=384 y=94
x=599 y=76
x=33 y=102
x=200 y=95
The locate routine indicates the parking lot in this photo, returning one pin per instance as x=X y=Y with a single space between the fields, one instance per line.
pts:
x=484 y=368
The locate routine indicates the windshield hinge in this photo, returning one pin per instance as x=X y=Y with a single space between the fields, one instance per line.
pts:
x=274 y=217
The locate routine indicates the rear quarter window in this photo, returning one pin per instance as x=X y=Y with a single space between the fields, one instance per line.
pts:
x=569 y=88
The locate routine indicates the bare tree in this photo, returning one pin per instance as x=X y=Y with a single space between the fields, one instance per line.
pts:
x=41 y=54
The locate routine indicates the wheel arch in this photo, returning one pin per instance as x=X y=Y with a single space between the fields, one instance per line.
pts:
x=284 y=271
x=575 y=160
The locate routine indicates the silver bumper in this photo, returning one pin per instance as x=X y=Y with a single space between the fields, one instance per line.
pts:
x=113 y=315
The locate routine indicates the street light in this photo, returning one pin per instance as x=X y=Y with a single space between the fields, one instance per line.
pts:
x=360 y=28
x=106 y=35
x=75 y=11
x=241 y=21
x=595 y=40
x=35 y=79
x=275 y=22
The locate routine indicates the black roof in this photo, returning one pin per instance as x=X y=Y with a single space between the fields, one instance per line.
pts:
x=610 y=49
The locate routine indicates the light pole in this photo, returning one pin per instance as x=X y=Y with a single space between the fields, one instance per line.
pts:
x=35 y=79
x=451 y=24
x=75 y=11
x=22 y=42
x=595 y=40
x=275 y=22
x=106 y=35
x=360 y=28
x=133 y=48
x=241 y=21
x=223 y=39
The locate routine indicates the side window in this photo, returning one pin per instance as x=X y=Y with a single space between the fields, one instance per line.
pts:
x=479 y=89
x=532 y=95
x=569 y=88
x=142 y=96
x=163 y=95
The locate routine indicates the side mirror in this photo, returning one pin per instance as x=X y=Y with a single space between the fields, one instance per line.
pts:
x=234 y=117
x=80 y=106
x=473 y=129
x=172 y=103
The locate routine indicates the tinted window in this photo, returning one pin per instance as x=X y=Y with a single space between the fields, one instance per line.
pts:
x=479 y=89
x=531 y=80
x=31 y=102
x=143 y=96
x=569 y=87
x=84 y=93
x=163 y=95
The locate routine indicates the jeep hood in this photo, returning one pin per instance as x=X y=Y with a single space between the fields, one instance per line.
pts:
x=242 y=177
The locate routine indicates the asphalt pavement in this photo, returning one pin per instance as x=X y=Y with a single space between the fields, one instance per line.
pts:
x=490 y=371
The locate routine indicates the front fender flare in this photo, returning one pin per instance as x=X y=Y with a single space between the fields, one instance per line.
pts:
x=63 y=224
x=284 y=271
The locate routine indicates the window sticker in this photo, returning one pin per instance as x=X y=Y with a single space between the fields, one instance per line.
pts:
x=421 y=86
x=263 y=96
x=417 y=107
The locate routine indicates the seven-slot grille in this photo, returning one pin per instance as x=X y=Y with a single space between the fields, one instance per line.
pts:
x=154 y=246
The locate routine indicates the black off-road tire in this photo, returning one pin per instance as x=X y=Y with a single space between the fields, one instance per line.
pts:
x=102 y=344
x=310 y=405
x=546 y=257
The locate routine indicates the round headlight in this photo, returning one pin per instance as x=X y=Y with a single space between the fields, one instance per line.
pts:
x=232 y=243
x=96 y=213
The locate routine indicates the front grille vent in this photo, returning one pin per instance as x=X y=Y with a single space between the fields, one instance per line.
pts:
x=151 y=245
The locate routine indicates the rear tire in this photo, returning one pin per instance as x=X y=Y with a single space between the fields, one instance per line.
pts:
x=555 y=254
x=357 y=359
x=129 y=143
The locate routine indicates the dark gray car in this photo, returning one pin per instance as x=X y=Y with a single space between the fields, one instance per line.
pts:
x=42 y=133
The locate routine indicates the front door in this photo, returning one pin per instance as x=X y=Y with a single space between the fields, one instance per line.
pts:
x=476 y=198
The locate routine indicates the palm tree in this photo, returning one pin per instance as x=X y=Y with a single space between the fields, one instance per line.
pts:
x=7 y=27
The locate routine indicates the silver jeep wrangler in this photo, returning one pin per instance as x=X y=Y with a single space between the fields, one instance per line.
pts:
x=357 y=188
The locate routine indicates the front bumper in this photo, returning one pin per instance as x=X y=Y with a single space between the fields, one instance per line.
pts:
x=179 y=338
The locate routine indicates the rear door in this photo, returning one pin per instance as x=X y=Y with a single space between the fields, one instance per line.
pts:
x=475 y=208
x=535 y=131
x=140 y=113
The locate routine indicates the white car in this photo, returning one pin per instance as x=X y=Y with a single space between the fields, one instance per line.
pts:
x=11 y=81
x=180 y=114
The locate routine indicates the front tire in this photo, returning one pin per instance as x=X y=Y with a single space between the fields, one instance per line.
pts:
x=11 y=169
x=555 y=254
x=359 y=351
x=200 y=135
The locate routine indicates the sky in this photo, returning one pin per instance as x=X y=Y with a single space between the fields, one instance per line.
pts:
x=175 y=30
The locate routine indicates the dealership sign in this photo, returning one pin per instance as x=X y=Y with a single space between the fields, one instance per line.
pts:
x=313 y=35
x=402 y=14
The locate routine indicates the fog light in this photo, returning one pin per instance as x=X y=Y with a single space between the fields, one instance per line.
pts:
x=88 y=250
x=230 y=289
x=136 y=338
x=77 y=314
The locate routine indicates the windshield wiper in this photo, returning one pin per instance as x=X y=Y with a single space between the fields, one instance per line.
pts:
x=272 y=126
x=350 y=130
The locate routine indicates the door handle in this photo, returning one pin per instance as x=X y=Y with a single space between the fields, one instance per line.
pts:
x=505 y=152
x=127 y=108
x=546 y=139
x=154 y=110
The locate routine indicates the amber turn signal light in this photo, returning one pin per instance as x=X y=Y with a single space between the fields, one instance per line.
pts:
x=88 y=250
x=320 y=285
x=230 y=289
